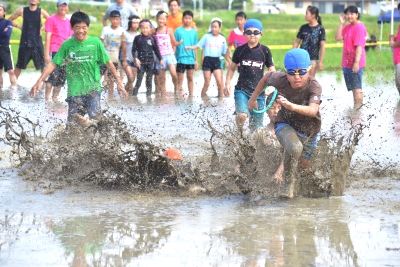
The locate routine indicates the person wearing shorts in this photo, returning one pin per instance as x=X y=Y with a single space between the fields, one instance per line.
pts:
x=187 y=59
x=214 y=46
x=253 y=58
x=5 y=53
x=81 y=57
x=30 y=46
x=58 y=30
x=298 y=122
x=353 y=58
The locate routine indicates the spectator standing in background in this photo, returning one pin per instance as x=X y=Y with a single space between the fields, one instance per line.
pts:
x=5 y=53
x=174 y=20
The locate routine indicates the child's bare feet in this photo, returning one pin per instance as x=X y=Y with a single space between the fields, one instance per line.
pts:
x=82 y=121
x=278 y=174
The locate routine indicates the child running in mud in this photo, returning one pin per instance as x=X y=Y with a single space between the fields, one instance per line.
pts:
x=144 y=45
x=81 y=56
x=131 y=68
x=165 y=40
x=214 y=46
x=298 y=123
x=187 y=59
x=5 y=53
x=113 y=38
x=253 y=57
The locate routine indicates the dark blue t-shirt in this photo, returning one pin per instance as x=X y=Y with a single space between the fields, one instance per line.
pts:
x=5 y=35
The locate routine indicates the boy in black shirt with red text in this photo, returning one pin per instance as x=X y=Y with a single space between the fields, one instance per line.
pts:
x=252 y=57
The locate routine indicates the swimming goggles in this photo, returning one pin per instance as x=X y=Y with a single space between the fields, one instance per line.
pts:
x=249 y=32
x=300 y=72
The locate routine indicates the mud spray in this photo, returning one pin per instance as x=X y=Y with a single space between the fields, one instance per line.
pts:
x=109 y=154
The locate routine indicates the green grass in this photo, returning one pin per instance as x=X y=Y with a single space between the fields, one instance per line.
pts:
x=280 y=29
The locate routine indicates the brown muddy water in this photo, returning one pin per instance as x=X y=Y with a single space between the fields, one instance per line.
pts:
x=47 y=222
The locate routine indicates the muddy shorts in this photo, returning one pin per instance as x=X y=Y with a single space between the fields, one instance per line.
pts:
x=103 y=69
x=241 y=101
x=180 y=68
x=26 y=54
x=5 y=58
x=309 y=143
x=353 y=80
x=58 y=76
x=84 y=104
x=211 y=63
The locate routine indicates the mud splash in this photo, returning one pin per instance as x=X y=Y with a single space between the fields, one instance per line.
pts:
x=109 y=154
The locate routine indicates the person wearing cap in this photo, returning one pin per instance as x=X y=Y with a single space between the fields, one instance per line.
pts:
x=253 y=58
x=114 y=40
x=58 y=30
x=5 y=52
x=30 y=45
x=353 y=56
x=125 y=10
x=298 y=122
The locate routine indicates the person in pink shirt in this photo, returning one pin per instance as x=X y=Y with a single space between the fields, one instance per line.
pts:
x=394 y=43
x=58 y=29
x=353 y=57
x=236 y=37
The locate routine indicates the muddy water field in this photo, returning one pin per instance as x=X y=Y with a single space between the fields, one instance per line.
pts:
x=104 y=195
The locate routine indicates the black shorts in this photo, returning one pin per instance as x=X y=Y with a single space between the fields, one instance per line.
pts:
x=103 y=69
x=25 y=54
x=211 y=63
x=5 y=58
x=57 y=77
x=182 y=67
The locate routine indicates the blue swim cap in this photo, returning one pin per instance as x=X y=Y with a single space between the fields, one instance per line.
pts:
x=297 y=59
x=253 y=23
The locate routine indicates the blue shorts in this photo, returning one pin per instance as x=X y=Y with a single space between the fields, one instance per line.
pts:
x=241 y=101
x=168 y=61
x=130 y=63
x=353 y=80
x=309 y=143
x=84 y=104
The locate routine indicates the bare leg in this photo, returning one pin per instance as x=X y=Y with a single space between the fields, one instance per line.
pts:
x=13 y=78
x=161 y=79
x=278 y=175
x=207 y=78
x=313 y=71
x=131 y=75
x=17 y=72
x=56 y=92
x=220 y=82
x=179 y=83
x=358 y=98
x=172 y=71
x=189 y=77
x=240 y=120
x=1 y=78
x=48 y=87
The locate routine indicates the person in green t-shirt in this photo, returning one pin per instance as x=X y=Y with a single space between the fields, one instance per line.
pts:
x=81 y=56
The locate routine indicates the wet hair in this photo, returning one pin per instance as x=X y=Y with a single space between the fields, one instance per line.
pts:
x=130 y=21
x=187 y=13
x=315 y=11
x=177 y=1
x=79 y=17
x=241 y=14
x=352 y=9
x=160 y=13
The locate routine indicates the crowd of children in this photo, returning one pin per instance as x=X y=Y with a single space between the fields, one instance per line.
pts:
x=141 y=47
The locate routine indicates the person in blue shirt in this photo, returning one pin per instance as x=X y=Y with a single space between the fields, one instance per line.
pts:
x=5 y=53
x=214 y=46
x=187 y=59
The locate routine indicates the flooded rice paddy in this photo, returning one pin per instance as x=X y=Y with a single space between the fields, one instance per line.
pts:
x=47 y=222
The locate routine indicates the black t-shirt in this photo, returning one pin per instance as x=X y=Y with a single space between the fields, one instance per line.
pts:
x=252 y=62
x=30 y=34
x=311 y=39
x=310 y=93
x=144 y=48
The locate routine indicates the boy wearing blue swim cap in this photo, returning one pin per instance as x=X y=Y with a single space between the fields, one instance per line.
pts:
x=298 y=123
x=253 y=57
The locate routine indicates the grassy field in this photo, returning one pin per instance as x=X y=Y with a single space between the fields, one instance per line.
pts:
x=279 y=29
